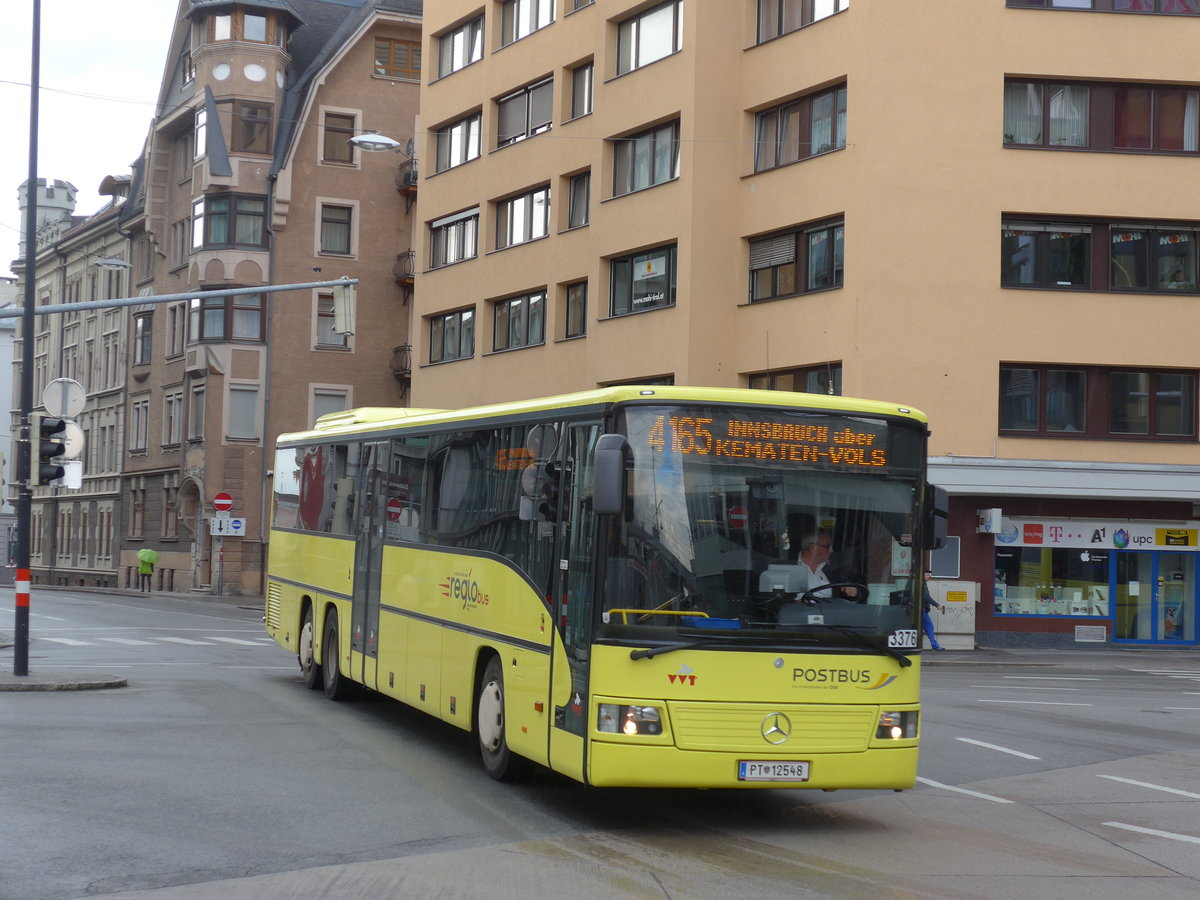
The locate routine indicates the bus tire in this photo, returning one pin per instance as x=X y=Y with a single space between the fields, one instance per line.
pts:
x=337 y=687
x=309 y=667
x=489 y=722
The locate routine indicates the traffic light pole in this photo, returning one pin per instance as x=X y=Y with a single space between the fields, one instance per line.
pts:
x=24 y=461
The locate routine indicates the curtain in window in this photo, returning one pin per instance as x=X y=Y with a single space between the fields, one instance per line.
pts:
x=1023 y=113
x=1068 y=115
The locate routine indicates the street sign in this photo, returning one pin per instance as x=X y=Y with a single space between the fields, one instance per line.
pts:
x=64 y=398
x=394 y=508
x=225 y=526
x=223 y=502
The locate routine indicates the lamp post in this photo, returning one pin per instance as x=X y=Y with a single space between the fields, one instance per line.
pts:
x=25 y=443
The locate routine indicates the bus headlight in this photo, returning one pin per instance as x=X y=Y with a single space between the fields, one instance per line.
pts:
x=897 y=726
x=629 y=720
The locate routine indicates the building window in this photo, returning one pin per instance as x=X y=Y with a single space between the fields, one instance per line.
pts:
x=328 y=400
x=1102 y=116
x=335 y=229
x=800 y=129
x=649 y=36
x=242 y=25
x=243 y=411
x=1093 y=402
x=137 y=512
x=459 y=142
x=229 y=220
x=251 y=127
x=581 y=90
x=143 y=326
x=797 y=261
x=326 y=336
x=524 y=113
x=196 y=414
x=139 y=424
x=1150 y=7
x=520 y=18
x=170 y=511
x=238 y=318
x=777 y=17
x=523 y=218
x=519 y=321
x=452 y=336
x=453 y=238
x=643 y=281
x=646 y=159
x=460 y=47
x=579 y=190
x=200 y=133
x=580 y=4
x=172 y=417
x=335 y=140
x=576 y=311
x=397 y=59
x=1147 y=257
x=1045 y=255
x=823 y=379
x=176 y=329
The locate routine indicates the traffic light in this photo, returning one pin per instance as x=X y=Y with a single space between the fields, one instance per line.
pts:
x=44 y=447
x=343 y=309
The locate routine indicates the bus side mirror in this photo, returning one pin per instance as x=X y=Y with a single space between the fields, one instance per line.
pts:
x=608 y=476
x=937 y=516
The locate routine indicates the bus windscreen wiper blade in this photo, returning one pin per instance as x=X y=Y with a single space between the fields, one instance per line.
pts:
x=665 y=648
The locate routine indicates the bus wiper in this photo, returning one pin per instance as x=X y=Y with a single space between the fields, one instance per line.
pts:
x=665 y=648
x=862 y=641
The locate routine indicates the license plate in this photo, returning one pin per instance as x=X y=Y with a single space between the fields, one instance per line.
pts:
x=771 y=770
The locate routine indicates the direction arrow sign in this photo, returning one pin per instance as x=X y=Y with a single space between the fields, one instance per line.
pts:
x=223 y=502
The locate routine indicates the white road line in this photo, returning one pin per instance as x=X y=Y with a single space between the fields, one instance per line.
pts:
x=1153 y=787
x=1155 y=832
x=129 y=642
x=1034 y=702
x=1051 y=678
x=237 y=641
x=1021 y=687
x=70 y=642
x=997 y=747
x=958 y=790
x=1177 y=673
x=188 y=641
x=1182 y=708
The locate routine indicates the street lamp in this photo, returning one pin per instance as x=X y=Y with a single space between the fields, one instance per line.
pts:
x=373 y=141
x=112 y=262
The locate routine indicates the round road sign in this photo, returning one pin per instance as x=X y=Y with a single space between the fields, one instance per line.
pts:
x=737 y=517
x=394 y=508
x=223 y=502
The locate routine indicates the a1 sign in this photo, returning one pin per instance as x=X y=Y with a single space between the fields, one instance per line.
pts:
x=223 y=502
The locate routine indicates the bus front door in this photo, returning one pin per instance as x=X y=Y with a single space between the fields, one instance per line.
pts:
x=368 y=559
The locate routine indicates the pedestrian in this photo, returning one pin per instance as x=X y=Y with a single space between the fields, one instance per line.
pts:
x=928 y=602
x=145 y=573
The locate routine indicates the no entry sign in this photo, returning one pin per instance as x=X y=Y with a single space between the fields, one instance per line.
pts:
x=223 y=502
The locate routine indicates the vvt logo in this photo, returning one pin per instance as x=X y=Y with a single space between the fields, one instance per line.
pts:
x=685 y=675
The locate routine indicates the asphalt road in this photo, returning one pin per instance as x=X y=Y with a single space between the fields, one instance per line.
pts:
x=215 y=774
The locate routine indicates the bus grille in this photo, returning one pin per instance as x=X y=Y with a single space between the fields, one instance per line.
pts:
x=274 y=599
x=739 y=728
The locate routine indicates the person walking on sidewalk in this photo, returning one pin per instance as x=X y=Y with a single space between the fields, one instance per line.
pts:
x=928 y=602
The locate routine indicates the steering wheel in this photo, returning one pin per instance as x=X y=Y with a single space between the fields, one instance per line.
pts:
x=809 y=596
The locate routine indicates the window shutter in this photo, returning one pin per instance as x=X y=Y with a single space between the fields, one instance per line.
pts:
x=773 y=251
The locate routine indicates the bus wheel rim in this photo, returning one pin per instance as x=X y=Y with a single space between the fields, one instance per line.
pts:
x=306 y=645
x=491 y=717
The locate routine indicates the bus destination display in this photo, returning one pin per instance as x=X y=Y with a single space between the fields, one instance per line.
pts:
x=847 y=444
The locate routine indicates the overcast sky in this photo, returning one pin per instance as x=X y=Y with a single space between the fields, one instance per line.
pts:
x=101 y=64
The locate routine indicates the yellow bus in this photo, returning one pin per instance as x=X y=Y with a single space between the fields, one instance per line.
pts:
x=608 y=583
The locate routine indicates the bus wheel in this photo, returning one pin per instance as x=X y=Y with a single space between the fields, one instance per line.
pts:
x=489 y=722
x=336 y=686
x=309 y=667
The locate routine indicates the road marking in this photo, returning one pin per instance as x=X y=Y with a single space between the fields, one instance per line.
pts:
x=70 y=642
x=1153 y=787
x=1155 y=832
x=1051 y=677
x=958 y=790
x=1182 y=708
x=1034 y=702
x=997 y=747
x=188 y=641
x=129 y=642
x=237 y=641
x=1021 y=687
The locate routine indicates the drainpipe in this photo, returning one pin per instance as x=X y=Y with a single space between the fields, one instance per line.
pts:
x=268 y=456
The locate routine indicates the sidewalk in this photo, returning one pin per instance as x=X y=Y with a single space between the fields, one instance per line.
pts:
x=39 y=679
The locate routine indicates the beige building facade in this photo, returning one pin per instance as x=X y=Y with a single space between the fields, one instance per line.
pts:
x=976 y=208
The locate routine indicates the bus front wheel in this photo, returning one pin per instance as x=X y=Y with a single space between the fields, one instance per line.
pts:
x=309 y=667
x=336 y=686
x=489 y=722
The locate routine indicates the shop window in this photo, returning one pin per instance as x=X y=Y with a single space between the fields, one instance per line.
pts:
x=1051 y=581
x=1094 y=402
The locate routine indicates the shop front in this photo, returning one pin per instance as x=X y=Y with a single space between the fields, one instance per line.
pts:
x=1125 y=582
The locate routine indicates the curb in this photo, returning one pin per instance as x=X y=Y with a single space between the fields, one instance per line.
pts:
x=59 y=681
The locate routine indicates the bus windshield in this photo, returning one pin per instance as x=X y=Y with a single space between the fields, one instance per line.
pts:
x=745 y=525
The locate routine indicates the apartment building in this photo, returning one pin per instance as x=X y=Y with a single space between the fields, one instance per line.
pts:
x=976 y=208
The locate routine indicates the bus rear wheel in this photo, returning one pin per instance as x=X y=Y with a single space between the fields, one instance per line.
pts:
x=309 y=667
x=489 y=723
x=337 y=687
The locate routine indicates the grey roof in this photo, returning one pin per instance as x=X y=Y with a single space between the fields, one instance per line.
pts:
x=283 y=5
